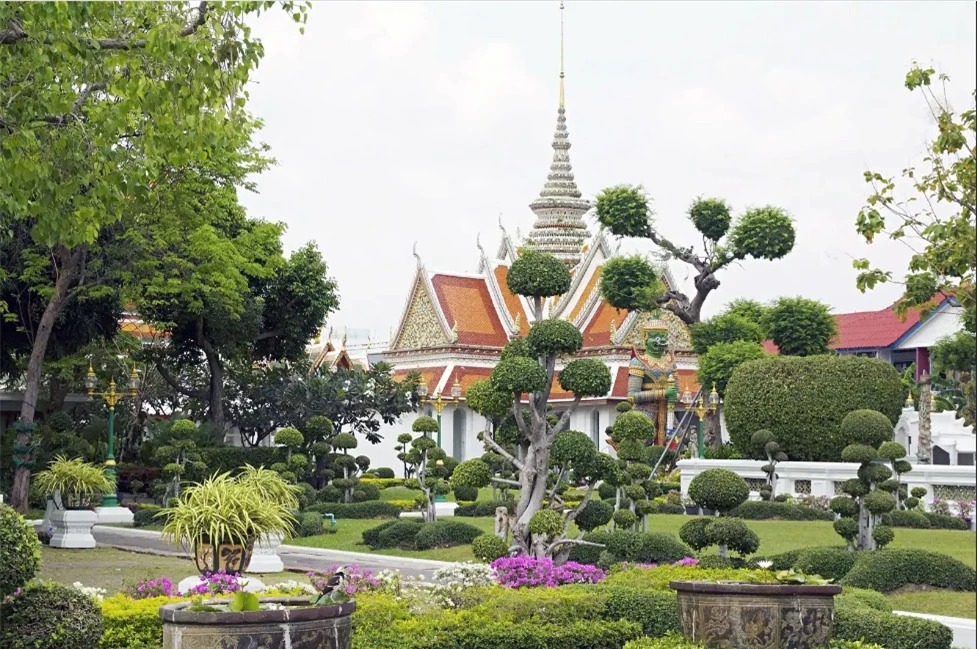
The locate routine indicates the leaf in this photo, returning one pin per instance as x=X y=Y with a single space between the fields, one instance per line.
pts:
x=243 y=601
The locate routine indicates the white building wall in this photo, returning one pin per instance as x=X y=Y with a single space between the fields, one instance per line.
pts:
x=939 y=324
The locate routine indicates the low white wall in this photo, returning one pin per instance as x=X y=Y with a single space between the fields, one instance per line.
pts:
x=824 y=478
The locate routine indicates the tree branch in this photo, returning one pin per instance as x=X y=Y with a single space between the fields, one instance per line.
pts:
x=564 y=421
x=169 y=378
x=504 y=453
x=556 y=544
x=684 y=254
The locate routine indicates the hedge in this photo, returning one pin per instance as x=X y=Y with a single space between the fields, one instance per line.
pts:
x=366 y=509
x=445 y=534
x=20 y=551
x=903 y=518
x=891 y=631
x=383 y=483
x=944 y=522
x=146 y=515
x=656 y=611
x=483 y=508
x=133 y=623
x=890 y=569
x=862 y=597
x=759 y=510
x=230 y=458
x=802 y=401
x=50 y=616
x=829 y=562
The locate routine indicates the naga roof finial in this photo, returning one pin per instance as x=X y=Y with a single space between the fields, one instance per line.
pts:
x=420 y=264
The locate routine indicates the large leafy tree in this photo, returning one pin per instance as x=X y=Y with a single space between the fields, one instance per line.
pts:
x=801 y=327
x=759 y=233
x=932 y=209
x=99 y=103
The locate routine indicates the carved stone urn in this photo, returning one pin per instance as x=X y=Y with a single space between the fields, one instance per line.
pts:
x=756 y=616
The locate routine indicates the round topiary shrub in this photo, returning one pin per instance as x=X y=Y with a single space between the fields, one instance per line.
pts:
x=719 y=489
x=537 y=274
x=20 y=551
x=489 y=547
x=734 y=534
x=844 y=506
x=385 y=473
x=518 y=375
x=594 y=514
x=632 y=425
x=803 y=400
x=830 y=563
x=346 y=441
x=883 y=535
x=658 y=547
x=399 y=535
x=311 y=524
x=586 y=377
x=866 y=426
x=894 y=568
x=465 y=494
x=625 y=518
x=290 y=437
x=51 y=616
x=547 y=522
x=846 y=528
x=554 y=336
x=879 y=502
x=693 y=533
x=445 y=534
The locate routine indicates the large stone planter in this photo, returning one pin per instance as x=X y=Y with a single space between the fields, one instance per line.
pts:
x=231 y=558
x=758 y=616
x=299 y=626
x=265 y=558
x=73 y=528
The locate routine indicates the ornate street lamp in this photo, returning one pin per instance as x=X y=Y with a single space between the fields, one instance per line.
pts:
x=111 y=397
x=701 y=412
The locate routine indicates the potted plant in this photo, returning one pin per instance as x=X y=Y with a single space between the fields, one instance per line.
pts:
x=80 y=486
x=322 y=622
x=794 y=611
x=221 y=518
x=265 y=557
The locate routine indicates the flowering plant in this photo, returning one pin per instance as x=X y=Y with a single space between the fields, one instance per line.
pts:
x=356 y=580
x=522 y=572
x=146 y=588
x=96 y=593
x=940 y=506
x=965 y=508
x=687 y=561
x=217 y=583
x=822 y=503
x=290 y=588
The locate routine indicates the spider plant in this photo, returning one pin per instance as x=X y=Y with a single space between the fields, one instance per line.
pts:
x=226 y=509
x=80 y=484
x=271 y=485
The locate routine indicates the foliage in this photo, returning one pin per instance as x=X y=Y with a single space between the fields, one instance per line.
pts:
x=804 y=400
x=938 y=218
x=800 y=327
x=489 y=547
x=368 y=509
x=20 y=551
x=865 y=426
x=555 y=337
x=538 y=275
x=717 y=365
x=445 y=534
x=754 y=510
x=830 y=563
x=890 y=631
x=471 y=473
x=310 y=524
x=47 y=615
x=586 y=377
x=891 y=569
x=724 y=328
x=492 y=404
x=595 y=513
x=733 y=534
x=527 y=572
x=718 y=489
x=761 y=233
x=145 y=515
x=226 y=509
x=629 y=280
x=483 y=508
x=133 y=622
x=80 y=484
x=289 y=437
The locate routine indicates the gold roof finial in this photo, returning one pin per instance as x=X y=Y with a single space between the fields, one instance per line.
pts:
x=561 y=53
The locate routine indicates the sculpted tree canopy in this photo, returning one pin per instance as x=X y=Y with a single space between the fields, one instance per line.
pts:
x=759 y=233
x=101 y=103
x=800 y=327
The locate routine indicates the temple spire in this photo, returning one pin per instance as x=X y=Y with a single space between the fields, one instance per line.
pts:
x=559 y=228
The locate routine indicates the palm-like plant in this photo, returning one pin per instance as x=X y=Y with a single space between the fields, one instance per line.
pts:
x=226 y=509
x=79 y=483
x=271 y=484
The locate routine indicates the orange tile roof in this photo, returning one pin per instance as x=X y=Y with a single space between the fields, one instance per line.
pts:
x=597 y=333
x=430 y=376
x=687 y=380
x=512 y=303
x=466 y=302
x=620 y=388
x=588 y=289
x=466 y=376
x=138 y=328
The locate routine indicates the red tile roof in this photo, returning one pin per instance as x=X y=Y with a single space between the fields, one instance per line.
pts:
x=466 y=302
x=620 y=387
x=512 y=302
x=872 y=329
x=597 y=333
x=466 y=376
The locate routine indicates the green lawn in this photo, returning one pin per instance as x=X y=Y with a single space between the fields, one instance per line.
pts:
x=936 y=602
x=111 y=569
x=403 y=493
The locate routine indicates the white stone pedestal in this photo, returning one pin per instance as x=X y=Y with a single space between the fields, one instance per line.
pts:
x=265 y=557
x=73 y=528
x=114 y=515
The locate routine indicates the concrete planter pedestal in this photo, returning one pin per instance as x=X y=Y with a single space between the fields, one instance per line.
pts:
x=114 y=515
x=741 y=616
x=265 y=558
x=299 y=626
x=73 y=528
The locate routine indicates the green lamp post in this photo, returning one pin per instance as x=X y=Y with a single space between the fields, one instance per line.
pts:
x=439 y=403
x=700 y=412
x=111 y=397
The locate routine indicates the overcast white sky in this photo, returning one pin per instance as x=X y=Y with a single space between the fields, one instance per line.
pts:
x=402 y=121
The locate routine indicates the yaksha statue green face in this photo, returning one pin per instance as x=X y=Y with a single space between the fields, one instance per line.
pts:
x=656 y=341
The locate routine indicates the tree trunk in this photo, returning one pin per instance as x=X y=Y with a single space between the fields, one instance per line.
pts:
x=57 y=393
x=32 y=378
x=215 y=394
x=712 y=429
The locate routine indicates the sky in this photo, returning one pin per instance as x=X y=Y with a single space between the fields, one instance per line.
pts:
x=425 y=121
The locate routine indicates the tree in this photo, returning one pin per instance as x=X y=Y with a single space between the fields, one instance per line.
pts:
x=749 y=309
x=800 y=327
x=717 y=365
x=766 y=448
x=724 y=328
x=100 y=104
x=934 y=212
x=759 y=233
x=864 y=499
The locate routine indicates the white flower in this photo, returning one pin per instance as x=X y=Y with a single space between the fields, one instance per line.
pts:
x=98 y=594
x=764 y=564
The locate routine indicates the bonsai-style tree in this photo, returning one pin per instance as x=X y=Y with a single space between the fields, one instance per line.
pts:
x=426 y=452
x=722 y=491
x=631 y=431
x=633 y=283
x=403 y=441
x=345 y=463
x=768 y=448
x=291 y=439
x=180 y=451
x=915 y=499
x=719 y=490
x=321 y=430
x=865 y=501
x=527 y=370
x=895 y=454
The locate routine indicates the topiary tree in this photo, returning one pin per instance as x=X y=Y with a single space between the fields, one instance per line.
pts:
x=866 y=426
x=766 y=446
x=895 y=454
x=631 y=431
x=291 y=439
x=726 y=533
x=803 y=401
x=760 y=233
x=180 y=457
x=800 y=327
x=865 y=500
x=20 y=551
x=428 y=457
x=49 y=615
x=528 y=369
x=403 y=442
x=718 y=489
x=489 y=547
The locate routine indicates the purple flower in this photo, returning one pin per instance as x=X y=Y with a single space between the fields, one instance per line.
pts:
x=356 y=580
x=216 y=583
x=146 y=588
x=527 y=572
x=687 y=561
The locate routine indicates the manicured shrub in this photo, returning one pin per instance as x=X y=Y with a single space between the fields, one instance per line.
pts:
x=220 y=459
x=659 y=547
x=489 y=547
x=369 y=491
x=844 y=506
x=311 y=524
x=945 y=522
x=445 y=534
x=385 y=473
x=465 y=494
x=368 y=509
x=589 y=634
x=758 y=510
x=693 y=532
x=20 y=551
x=862 y=597
x=606 y=491
x=865 y=426
x=625 y=518
x=146 y=515
x=401 y=534
x=483 y=508
x=718 y=489
x=588 y=554
x=803 y=401
x=656 y=611
x=830 y=563
x=330 y=494
x=887 y=570
x=594 y=514
x=891 y=631
x=785 y=560
x=50 y=616
x=132 y=623
x=372 y=535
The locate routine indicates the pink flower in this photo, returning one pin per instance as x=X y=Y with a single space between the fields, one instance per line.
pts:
x=527 y=572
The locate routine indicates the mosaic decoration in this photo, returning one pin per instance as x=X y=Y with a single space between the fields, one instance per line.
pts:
x=954 y=492
x=679 y=337
x=422 y=327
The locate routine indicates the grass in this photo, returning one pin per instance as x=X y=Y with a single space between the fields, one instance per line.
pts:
x=403 y=493
x=112 y=569
x=936 y=602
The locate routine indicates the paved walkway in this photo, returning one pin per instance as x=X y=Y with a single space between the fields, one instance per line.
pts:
x=295 y=558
